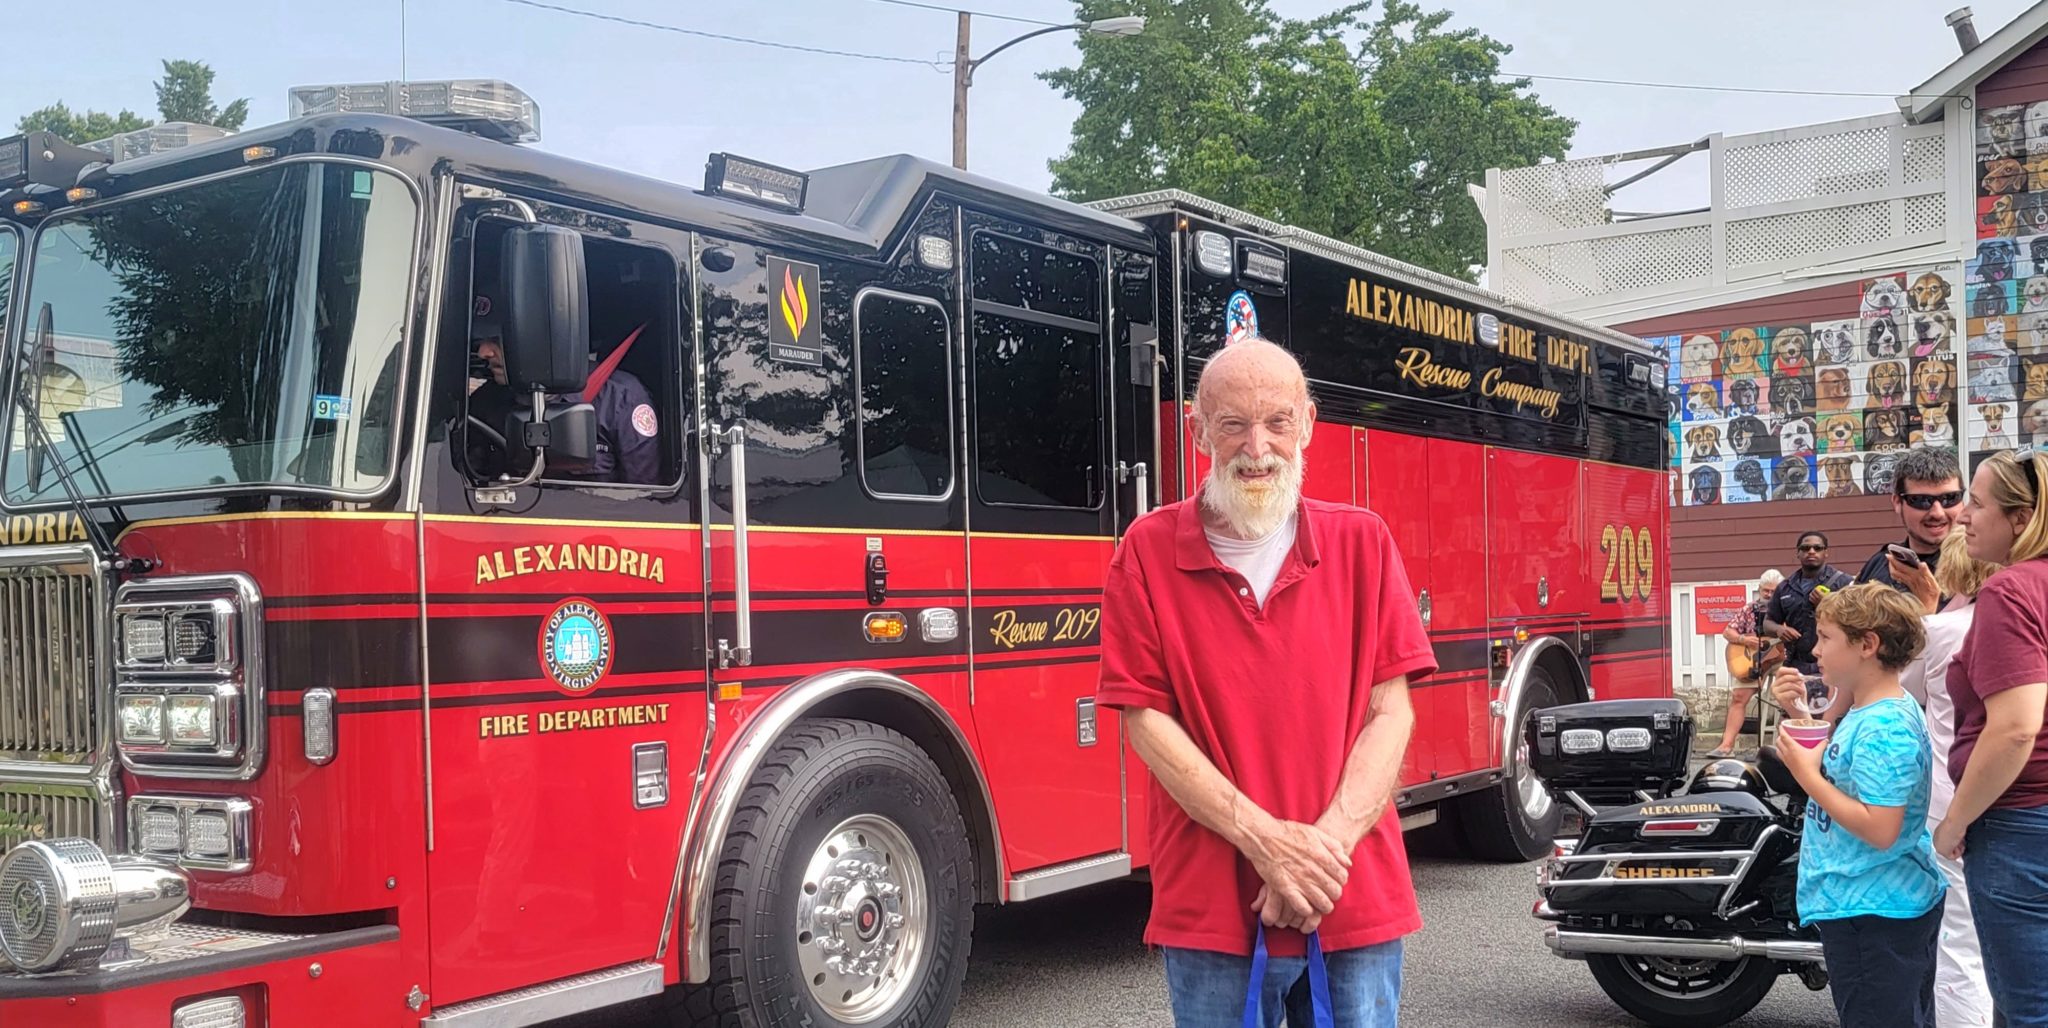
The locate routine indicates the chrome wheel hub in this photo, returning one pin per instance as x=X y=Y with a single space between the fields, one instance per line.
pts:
x=1529 y=789
x=861 y=919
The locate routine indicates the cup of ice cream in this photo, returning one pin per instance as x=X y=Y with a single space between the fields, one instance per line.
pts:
x=1806 y=731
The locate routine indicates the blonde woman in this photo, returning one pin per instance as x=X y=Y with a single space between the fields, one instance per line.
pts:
x=1961 y=999
x=1743 y=632
x=1998 y=821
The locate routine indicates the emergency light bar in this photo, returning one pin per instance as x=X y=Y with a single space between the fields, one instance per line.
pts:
x=170 y=135
x=484 y=107
x=754 y=182
x=43 y=159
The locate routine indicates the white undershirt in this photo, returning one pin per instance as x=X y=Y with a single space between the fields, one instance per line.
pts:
x=1258 y=560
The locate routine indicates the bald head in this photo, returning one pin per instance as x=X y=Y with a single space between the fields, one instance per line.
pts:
x=1250 y=366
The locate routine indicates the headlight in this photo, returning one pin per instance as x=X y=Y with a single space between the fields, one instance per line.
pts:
x=181 y=724
x=187 y=635
x=208 y=833
x=62 y=902
x=142 y=720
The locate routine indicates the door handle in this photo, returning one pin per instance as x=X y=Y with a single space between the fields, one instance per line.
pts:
x=1142 y=476
x=741 y=651
x=1423 y=604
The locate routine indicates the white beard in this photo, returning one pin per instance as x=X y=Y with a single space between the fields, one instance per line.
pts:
x=1254 y=510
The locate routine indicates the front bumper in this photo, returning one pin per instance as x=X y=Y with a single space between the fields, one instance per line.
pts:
x=351 y=977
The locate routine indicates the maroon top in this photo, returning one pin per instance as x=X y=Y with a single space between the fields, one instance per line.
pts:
x=2007 y=647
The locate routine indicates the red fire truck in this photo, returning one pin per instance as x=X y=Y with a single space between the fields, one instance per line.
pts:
x=364 y=661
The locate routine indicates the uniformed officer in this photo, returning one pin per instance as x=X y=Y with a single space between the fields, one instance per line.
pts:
x=628 y=430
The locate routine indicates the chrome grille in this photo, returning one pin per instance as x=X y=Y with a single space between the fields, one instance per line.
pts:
x=50 y=628
x=31 y=812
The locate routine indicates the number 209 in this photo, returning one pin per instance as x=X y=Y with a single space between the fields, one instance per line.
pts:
x=1631 y=564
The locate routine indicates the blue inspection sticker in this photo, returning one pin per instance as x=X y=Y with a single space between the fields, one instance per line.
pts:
x=333 y=408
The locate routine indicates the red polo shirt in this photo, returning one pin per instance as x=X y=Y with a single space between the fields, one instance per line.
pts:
x=1275 y=697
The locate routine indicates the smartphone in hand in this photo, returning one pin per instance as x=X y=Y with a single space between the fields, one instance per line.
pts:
x=1903 y=555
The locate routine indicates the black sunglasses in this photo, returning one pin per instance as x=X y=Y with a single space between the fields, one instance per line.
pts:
x=1812 y=548
x=1926 y=501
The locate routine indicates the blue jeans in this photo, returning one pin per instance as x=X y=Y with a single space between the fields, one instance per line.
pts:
x=2005 y=863
x=1208 y=989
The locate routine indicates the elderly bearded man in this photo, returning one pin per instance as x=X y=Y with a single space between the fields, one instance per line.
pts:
x=1260 y=645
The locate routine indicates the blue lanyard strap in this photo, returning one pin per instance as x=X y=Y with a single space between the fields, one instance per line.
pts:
x=1318 y=983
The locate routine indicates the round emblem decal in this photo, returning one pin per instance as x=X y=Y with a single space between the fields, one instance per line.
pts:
x=576 y=645
x=1241 y=318
x=643 y=421
x=29 y=908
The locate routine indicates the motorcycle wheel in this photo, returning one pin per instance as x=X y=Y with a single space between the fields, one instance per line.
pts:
x=1668 y=992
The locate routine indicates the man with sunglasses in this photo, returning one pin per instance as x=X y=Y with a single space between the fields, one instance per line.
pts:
x=1927 y=493
x=1791 y=614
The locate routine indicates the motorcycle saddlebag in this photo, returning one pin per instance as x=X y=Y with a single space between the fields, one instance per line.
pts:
x=1610 y=744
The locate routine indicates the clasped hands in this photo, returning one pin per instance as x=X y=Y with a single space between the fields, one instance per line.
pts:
x=1304 y=868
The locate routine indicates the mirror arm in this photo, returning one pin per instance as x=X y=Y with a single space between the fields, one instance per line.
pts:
x=540 y=453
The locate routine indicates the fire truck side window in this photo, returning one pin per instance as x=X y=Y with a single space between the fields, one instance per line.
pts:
x=1037 y=375
x=905 y=434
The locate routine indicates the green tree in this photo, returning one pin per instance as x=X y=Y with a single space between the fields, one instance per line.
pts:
x=80 y=126
x=1366 y=129
x=185 y=93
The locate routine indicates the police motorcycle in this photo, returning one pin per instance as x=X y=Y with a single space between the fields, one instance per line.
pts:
x=1679 y=894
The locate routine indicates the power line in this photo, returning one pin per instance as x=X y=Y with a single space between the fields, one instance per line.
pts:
x=600 y=16
x=1691 y=85
x=978 y=14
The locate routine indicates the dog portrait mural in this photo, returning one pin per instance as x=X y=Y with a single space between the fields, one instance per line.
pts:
x=1784 y=411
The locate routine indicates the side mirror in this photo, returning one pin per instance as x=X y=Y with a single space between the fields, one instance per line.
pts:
x=546 y=309
x=567 y=432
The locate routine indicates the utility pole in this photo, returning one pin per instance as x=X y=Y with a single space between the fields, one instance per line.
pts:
x=963 y=67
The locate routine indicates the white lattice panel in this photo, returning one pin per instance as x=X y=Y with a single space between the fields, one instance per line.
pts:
x=1617 y=264
x=1550 y=197
x=1927 y=213
x=1925 y=159
x=1803 y=167
x=1807 y=234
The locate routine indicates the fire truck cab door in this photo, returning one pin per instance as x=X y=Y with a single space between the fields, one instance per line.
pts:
x=1042 y=515
x=564 y=624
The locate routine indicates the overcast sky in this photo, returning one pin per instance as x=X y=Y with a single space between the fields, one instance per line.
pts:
x=657 y=102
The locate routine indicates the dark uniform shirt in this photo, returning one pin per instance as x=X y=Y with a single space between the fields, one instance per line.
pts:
x=628 y=434
x=1793 y=605
x=1878 y=569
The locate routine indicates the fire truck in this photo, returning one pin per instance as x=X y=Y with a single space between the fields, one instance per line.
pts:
x=449 y=583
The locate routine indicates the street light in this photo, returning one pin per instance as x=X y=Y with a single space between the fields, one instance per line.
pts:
x=964 y=65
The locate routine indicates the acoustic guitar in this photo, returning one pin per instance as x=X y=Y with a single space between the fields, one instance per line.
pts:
x=1751 y=665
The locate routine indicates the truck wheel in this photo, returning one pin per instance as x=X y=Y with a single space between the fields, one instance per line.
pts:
x=1517 y=820
x=1676 y=993
x=845 y=890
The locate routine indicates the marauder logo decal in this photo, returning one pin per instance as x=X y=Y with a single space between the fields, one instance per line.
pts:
x=576 y=645
x=793 y=336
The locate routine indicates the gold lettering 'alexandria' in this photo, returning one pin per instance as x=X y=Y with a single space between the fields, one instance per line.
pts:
x=26 y=529
x=605 y=560
x=1390 y=306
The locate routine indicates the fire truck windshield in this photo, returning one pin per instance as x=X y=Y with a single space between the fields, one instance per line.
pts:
x=242 y=332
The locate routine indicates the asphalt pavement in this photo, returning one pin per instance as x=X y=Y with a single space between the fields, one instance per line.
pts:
x=1076 y=961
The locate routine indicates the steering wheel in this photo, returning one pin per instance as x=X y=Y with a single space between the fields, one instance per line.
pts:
x=478 y=423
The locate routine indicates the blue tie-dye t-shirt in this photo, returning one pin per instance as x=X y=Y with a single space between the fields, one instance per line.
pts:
x=1879 y=755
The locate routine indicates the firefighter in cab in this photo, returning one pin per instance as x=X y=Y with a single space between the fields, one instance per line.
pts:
x=628 y=430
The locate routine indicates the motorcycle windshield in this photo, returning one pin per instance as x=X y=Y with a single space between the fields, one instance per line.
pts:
x=242 y=332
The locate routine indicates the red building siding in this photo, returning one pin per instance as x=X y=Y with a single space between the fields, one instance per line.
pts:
x=2024 y=79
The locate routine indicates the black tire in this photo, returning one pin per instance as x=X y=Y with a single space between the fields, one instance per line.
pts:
x=826 y=774
x=1721 y=991
x=1496 y=824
